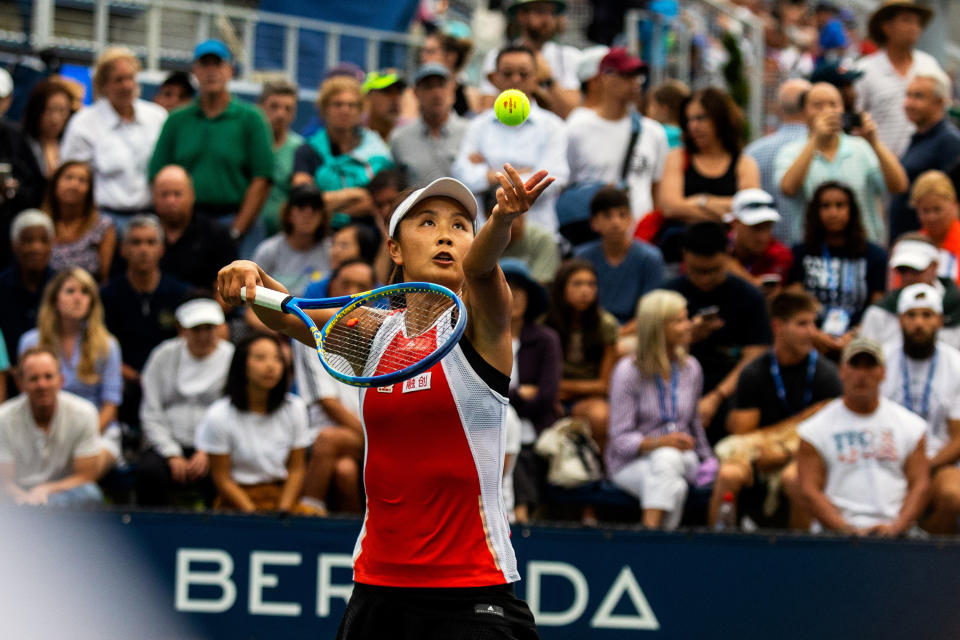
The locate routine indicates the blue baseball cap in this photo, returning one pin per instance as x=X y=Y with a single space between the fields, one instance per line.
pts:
x=212 y=48
x=431 y=69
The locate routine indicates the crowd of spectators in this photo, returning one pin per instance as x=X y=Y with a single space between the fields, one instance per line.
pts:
x=715 y=319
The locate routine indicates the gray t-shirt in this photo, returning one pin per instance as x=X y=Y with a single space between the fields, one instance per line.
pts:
x=42 y=456
x=292 y=268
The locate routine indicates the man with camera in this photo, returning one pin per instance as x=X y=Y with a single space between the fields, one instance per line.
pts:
x=857 y=158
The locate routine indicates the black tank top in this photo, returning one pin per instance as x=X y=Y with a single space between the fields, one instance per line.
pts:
x=694 y=182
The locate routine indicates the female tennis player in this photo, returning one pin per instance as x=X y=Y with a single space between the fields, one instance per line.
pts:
x=434 y=559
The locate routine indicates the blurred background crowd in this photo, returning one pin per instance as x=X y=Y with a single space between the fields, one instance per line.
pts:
x=737 y=305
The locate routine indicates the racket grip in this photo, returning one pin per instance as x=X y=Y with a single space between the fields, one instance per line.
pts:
x=268 y=298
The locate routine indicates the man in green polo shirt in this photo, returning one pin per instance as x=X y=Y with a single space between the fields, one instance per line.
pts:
x=224 y=144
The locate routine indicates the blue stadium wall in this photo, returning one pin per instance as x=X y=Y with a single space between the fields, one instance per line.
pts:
x=223 y=576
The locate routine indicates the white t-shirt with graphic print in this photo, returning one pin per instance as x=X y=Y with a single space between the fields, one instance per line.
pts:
x=864 y=457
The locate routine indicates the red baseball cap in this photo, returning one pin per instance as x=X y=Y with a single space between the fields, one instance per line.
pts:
x=619 y=61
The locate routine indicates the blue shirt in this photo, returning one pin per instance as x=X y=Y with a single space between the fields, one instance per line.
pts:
x=621 y=286
x=936 y=148
x=110 y=386
x=764 y=151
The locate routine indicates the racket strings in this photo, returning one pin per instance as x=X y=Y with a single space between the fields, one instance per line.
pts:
x=390 y=333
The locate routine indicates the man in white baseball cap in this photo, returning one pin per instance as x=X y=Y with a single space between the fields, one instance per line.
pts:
x=923 y=375
x=914 y=260
x=757 y=256
x=588 y=70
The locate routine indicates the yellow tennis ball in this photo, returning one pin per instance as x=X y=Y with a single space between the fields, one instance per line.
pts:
x=512 y=107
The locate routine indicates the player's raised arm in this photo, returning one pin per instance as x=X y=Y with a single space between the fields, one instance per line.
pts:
x=488 y=296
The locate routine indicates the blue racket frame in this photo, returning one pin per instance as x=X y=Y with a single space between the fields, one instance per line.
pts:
x=295 y=306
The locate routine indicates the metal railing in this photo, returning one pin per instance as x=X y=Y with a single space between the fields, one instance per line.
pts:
x=674 y=61
x=164 y=33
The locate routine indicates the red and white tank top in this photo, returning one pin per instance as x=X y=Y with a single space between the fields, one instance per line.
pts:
x=432 y=469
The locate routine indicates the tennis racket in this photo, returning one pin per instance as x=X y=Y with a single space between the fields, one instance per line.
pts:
x=382 y=336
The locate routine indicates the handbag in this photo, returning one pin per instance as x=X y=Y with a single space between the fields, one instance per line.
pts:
x=573 y=204
x=574 y=458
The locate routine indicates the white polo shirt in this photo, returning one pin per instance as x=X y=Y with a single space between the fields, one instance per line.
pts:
x=864 y=458
x=944 y=402
x=118 y=150
x=258 y=445
x=41 y=456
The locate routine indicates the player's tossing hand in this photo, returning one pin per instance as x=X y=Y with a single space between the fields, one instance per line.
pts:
x=514 y=197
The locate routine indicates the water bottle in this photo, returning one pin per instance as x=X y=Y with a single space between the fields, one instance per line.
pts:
x=726 y=514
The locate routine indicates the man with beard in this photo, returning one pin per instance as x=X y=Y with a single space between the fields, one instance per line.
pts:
x=924 y=377
x=915 y=260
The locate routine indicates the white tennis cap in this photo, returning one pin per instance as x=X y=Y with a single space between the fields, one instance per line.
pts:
x=441 y=187
x=919 y=296
x=914 y=254
x=589 y=65
x=199 y=311
x=753 y=206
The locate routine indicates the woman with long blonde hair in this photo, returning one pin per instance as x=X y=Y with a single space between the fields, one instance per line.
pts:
x=656 y=441
x=70 y=322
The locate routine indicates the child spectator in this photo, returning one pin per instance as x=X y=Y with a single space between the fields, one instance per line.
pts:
x=257 y=436
x=837 y=265
x=70 y=323
x=182 y=378
x=626 y=268
x=664 y=106
x=656 y=439
x=588 y=335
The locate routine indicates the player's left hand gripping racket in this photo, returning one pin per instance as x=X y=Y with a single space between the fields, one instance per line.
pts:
x=382 y=336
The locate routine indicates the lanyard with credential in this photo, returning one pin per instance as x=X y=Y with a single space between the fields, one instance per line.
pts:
x=782 y=390
x=836 y=283
x=670 y=419
x=927 y=387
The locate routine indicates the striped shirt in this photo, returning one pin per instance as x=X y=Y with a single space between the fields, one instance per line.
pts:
x=764 y=151
x=636 y=410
